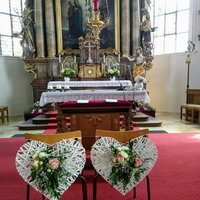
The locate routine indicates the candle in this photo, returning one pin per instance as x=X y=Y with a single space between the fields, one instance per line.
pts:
x=95 y=3
x=50 y=87
x=118 y=57
x=74 y=59
x=59 y=58
x=104 y=58
x=58 y=87
x=66 y=87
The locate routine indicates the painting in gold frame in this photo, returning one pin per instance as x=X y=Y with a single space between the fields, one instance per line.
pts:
x=71 y=25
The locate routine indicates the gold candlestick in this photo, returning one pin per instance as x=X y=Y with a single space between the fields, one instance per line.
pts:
x=96 y=24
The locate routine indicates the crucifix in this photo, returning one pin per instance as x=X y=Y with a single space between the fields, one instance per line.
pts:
x=89 y=60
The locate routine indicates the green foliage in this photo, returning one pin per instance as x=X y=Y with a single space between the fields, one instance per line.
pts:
x=68 y=72
x=47 y=171
x=126 y=163
x=113 y=72
x=140 y=105
x=28 y=111
x=148 y=107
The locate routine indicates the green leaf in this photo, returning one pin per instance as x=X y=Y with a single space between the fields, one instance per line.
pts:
x=33 y=176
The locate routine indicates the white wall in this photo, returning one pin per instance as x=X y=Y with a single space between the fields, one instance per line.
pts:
x=168 y=81
x=168 y=78
x=15 y=89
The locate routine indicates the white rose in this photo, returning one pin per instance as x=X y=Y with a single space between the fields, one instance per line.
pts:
x=35 y=155
x=124 y=148
x=124 y=154
x=43 y=155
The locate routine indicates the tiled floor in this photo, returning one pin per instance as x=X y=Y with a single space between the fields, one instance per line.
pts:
x=171 y=123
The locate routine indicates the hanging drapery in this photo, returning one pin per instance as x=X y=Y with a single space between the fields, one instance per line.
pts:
x=125 y=27
x=135 y=21
x=39 y=28
x=50 y=28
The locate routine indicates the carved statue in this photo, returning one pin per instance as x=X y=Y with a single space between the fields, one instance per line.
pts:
x=138 y=62
x=27 y=41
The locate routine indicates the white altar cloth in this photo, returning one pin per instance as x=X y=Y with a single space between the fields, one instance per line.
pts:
x=93 y=95
x=91 y=84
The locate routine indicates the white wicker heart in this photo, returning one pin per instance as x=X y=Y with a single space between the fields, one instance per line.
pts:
x=143 y=154
x=73 y=162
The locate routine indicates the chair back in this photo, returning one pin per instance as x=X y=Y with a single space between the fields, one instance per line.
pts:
x=121 y=136
x=53 y=138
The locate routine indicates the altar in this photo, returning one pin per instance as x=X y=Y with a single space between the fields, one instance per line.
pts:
x=94 y=95
x=91 y=84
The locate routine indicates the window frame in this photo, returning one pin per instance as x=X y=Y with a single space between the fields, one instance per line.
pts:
x=12 y=36
x=175 y=33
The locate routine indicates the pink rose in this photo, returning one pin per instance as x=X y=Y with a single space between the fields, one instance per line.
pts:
x=54 y=163
x=120 y=158
x=138 y=162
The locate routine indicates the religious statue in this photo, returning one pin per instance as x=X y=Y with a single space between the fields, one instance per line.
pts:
x=27 y=24
x=138 y=62
x=146 y=26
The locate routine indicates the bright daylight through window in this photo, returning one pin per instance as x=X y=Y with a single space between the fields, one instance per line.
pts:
x=171 y=17
x=10 y=27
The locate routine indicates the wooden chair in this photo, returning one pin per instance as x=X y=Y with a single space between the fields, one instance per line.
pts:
x=52 y=139
x=121 y=136
x=4 y=113
x=187 y=107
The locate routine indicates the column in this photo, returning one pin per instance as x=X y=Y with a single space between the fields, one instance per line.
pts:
x=135 y=21
x=39 y=28
x=50 y=28
x=125 y=27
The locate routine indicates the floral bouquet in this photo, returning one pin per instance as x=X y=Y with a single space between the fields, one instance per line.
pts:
x=47 y=171
x=36 y=106
x=126 y=163
x=113 y=72
x=68 y=72
x=140 y=79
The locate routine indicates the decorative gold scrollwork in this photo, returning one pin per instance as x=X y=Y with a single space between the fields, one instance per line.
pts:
x=31 y=69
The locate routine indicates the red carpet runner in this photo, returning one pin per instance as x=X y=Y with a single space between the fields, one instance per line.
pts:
x=176 y=175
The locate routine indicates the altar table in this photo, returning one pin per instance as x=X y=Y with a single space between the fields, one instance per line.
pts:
x=92 y=84
x=93 y=115
x=94 y=95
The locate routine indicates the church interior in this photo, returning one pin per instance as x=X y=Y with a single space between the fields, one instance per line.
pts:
x=109 y=90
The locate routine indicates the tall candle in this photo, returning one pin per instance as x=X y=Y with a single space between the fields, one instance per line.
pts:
x=74 y=59
x=104 y=59
x=118 y=57
x=59 y=58
x=95 y=2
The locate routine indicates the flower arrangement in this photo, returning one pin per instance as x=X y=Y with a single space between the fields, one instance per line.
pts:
x=68 y=72
x=126 y=163
x=140 y=105
x=140 y=79
x=36 y=106
x=47 y=171
x=113 y=72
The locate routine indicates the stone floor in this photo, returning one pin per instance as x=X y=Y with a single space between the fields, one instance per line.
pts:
x=171 y=123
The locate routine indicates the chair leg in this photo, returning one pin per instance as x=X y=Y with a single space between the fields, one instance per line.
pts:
x=134 y=192
x=181 y=112
x=27 y=192
x=95 y=186
x=84 y=187
x=148 y=188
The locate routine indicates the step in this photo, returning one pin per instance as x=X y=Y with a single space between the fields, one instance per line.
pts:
x=140 y=117
x=42 y=119
x=51 y=113
x=152 y=122
x=28 y=125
